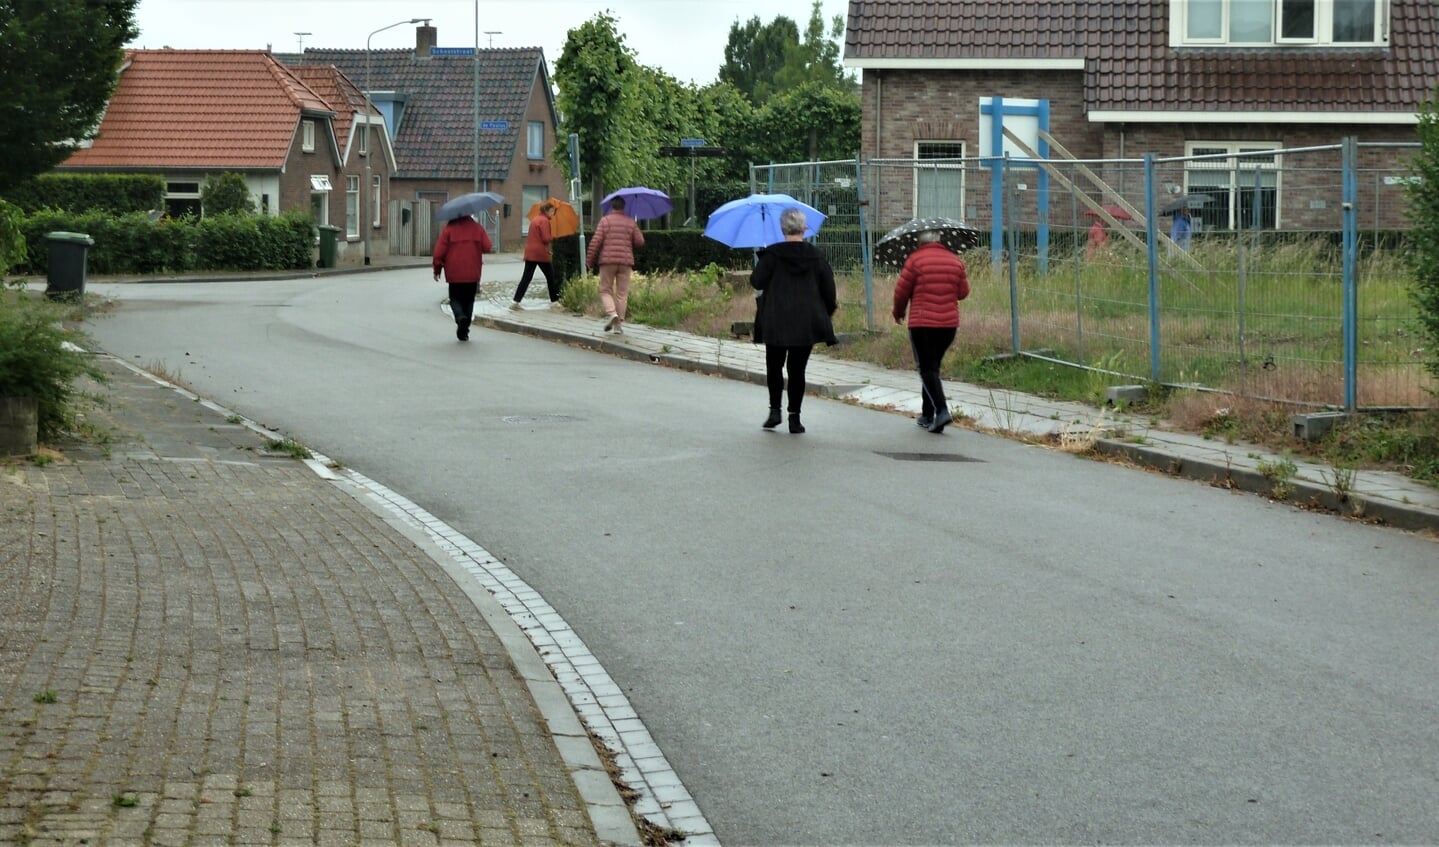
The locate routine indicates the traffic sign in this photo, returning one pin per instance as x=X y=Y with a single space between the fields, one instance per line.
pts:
x=692 y=142
x=494 y=124
x=452 y=51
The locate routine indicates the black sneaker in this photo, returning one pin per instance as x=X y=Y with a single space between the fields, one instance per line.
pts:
x=924 y=422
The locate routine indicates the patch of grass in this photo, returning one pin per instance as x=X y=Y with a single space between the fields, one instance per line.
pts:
x=1280 y=473
x=125 y=801
x=289 y=447
x=46 y=696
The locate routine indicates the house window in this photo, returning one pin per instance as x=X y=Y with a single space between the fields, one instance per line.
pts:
x=307 y=136
x=939 y=179
x=363 y=141
x=320 y=207
x=1277 y=22
x=352 y=207
x=535 y=148
x=375 y=202
x=1239 y=178
x=182 y=198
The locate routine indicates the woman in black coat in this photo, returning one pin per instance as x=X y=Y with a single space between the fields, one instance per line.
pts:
x=794 y=312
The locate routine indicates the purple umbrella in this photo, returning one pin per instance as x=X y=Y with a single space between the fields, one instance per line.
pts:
x=641 y=203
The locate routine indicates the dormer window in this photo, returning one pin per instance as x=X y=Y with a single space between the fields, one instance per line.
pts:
x=1260 y=23
x=307 y=136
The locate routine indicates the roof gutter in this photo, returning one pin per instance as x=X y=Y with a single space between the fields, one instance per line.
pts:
x=1101 y=116
x=1016 y=64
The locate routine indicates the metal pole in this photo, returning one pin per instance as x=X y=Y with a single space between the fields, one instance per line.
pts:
x=366 y=219
x=1350 y=197
x=477 y=97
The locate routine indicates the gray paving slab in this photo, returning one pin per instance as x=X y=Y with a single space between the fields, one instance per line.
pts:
x=203 y=641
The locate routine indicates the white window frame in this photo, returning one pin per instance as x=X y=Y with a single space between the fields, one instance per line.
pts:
x=362 y=144
x=375 y=202
x=1247 y=165
x=307 y=136
x=1323 y=12
x=535 y=148
x=920 y=146
x=352 y=207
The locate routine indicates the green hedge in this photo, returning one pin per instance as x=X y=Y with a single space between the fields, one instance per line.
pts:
x=134 y=244
x=80 y=193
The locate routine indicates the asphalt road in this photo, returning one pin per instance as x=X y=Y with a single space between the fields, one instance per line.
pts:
x=990 y=642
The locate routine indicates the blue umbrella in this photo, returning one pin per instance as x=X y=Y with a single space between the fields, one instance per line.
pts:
x=753 y=221
x=640 y=203
x=468 y=204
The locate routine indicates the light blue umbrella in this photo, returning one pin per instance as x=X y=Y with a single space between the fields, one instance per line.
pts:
x=753 y=221
x=468 y=204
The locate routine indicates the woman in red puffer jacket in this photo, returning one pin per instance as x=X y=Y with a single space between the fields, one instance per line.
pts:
x=930 y=287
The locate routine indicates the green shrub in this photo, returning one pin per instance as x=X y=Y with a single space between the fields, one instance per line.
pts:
x=80 y=193
x=36 y=360
x=226 y=193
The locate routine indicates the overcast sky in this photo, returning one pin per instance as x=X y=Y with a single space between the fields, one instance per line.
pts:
x=685 y=38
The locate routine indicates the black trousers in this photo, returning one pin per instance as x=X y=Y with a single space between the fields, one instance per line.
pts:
x=462 y=301
x=776 y=360
x=550 y=282
x=929 y=344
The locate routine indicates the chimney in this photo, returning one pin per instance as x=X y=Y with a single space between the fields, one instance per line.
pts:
x=425 y=37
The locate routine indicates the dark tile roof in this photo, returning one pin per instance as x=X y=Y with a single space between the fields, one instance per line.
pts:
x=1129 y=65
x=433 y=141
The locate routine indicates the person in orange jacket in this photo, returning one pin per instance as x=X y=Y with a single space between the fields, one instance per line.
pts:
x=537 y=255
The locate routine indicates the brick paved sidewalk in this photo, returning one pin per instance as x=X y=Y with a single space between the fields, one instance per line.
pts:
x=205 y=643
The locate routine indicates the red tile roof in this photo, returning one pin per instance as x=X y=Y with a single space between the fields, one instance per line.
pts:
x=1129 y=65
x=237 y=109
x=331 y=84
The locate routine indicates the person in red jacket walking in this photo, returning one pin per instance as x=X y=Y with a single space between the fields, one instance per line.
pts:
x=459 y=252
x=612 y=250
x=930 y=286
x=537 y=255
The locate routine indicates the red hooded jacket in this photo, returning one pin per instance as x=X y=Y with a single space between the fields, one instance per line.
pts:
x=930 y=287
x=460 y=250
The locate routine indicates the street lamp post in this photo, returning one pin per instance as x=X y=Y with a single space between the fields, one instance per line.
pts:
x=366 y=221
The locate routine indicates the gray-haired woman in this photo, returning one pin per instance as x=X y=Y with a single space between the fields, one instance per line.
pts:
x=794 y=312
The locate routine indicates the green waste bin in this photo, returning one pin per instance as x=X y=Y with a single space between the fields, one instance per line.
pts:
x=329 y=237
x=69 y=253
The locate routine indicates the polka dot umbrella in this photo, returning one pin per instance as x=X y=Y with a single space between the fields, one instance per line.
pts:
x=899 y=242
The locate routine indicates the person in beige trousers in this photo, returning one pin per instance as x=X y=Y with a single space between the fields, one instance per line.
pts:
x=612 y=250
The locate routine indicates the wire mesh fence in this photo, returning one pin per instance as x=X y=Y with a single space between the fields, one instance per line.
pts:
x=1267 y=272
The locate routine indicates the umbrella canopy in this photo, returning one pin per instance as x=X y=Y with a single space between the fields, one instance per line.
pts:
x=753 y=221
x=565 y=222
x=1188 y=201
x=468 y=204
x=1117 y=212
x=894 y=248
x=640 y=203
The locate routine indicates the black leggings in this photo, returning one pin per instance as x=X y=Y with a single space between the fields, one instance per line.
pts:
x=929 y=344
x=462 y=301
x=550 y=282
x=775 y=359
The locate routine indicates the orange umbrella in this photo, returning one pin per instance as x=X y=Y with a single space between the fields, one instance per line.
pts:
x=565 y=222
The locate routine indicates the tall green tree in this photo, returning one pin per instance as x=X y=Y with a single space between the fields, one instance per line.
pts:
x=813 y=122
x=591 y=74
x=755 y=55
x=1423 y=211
x=61 y=63
x=817 y=58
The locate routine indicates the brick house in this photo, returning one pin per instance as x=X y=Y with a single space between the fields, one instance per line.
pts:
x=1176 y=78
x=189 y=114
x=428 y=98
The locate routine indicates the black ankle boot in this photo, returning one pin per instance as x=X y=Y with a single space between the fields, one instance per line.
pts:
x=773 y=420
x=794 y=425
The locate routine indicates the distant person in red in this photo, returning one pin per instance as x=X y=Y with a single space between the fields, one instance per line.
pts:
x=930 y=286
x=537 y=255
x=460 y=254
x=1098 y=239
x=612 y=250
